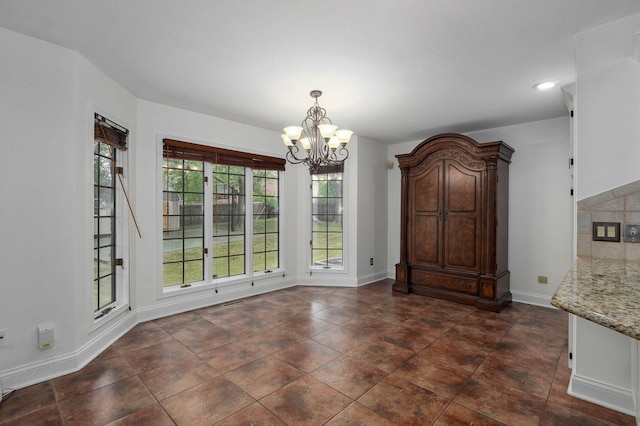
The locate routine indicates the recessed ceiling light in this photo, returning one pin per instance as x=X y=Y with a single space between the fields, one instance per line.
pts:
x=544 y=85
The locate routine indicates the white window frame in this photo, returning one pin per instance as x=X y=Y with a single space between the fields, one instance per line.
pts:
x=280 y=211
x=210 y=283
x=317 y=269
x=123 y=239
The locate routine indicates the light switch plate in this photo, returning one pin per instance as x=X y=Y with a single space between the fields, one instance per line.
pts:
x=606 y=231
x=631 y=233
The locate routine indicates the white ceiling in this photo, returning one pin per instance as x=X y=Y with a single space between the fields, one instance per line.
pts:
x=391 y=70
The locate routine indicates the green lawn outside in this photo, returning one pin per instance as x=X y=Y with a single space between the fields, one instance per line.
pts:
x=327 y=241
x=265 y=249
x=104 y=296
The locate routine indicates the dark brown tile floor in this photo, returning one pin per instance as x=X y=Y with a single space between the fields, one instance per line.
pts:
x=335 y=356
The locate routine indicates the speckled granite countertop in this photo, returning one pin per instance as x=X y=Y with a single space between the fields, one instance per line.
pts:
x=605 y=291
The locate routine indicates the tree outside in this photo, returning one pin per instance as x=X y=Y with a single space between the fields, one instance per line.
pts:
x=327 y=219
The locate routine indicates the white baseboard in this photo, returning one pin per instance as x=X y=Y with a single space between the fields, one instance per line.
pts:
x=51 y=367
x=224 y=295
x=39 y=371
x=327 y=280
x=371 y=278
x=612 y=397
x=60 y=365
x=532 y=298
x=106 y=338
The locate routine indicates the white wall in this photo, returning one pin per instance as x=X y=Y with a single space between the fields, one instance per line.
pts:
x=393 y=209
x=346 y=277
x=372 y=210
x=539 y=205
x=47 y=97
x=96 y=92
x=37 y=187
x=364 y=224
x=608 y=111
x=365 y=198
x=155 y=122
x=607 y=152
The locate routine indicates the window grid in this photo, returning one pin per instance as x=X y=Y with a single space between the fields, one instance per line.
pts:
x=327 y=220
x=183 y=221
x=266 y=220
x=229 y=239
x=227 y=209
x=104 y=235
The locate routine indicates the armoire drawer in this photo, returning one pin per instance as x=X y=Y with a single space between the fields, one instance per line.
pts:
x=444 y=282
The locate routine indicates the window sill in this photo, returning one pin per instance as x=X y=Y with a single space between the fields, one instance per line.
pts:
x=220 y=283
x=99 y=322
x=322 y=270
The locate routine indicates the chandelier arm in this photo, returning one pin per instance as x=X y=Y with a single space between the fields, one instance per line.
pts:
x=291 y=158
x=339 y=155
x=295 y=150
x=307 y=127
x=326 y=151
x=320 y=146
x=310 y=130
x=345 y=150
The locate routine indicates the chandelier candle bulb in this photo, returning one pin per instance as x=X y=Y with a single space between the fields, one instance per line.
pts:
x=293 y=132
x=286 y=140
x=344 y=135
x=323 y=144
x=327 y=130
x=305 y=143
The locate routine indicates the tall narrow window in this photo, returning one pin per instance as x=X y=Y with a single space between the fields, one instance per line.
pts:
x=327 y=219
x=183 y=221
x=265 y=220
x=104 y=220
x=110 y=234
x=228 y=221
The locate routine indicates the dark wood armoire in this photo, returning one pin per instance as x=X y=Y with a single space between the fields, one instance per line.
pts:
x=454 y=217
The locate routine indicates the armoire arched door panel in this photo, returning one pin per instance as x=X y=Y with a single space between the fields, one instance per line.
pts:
x=463 y=217
x=426 y=195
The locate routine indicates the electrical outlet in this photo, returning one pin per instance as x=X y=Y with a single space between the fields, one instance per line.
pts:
x=3 y=338
x=371 y=261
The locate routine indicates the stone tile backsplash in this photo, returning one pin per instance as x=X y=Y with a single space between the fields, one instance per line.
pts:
x=621 y=205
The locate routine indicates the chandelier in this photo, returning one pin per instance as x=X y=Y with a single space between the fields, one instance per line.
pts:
x=318 y=142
